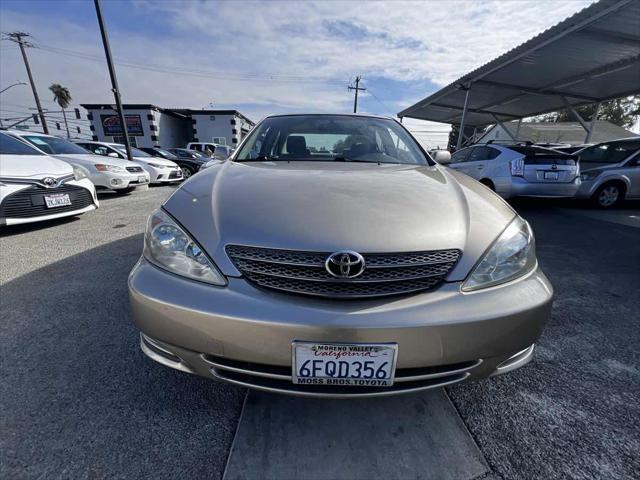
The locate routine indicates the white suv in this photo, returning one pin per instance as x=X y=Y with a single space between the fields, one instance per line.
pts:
x=521 y=170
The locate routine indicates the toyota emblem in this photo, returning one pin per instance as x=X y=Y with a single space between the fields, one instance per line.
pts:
x=345 y=264
x=49 y=181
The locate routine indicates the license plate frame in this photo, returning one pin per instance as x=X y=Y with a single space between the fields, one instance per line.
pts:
x=300 y=352
x=57 y=200
x=551 y=175
x=142 y=179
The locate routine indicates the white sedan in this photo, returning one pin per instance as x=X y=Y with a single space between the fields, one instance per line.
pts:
x=160 y=169
x=36 y=187
x=111 y=173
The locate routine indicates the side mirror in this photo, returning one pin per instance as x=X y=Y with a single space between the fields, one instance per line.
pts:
x=441 y=156
x=113 y=154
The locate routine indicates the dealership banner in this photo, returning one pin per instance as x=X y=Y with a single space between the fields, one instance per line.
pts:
x=111 y=125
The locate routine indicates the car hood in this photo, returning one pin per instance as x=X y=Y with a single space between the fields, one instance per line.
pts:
x=331 y=206
x=33 y=166
x=156 y=160
x=90 y=159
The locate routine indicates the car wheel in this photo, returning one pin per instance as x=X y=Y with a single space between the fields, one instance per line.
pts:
x=125 y=191
x=609 y=195
x=186 y=172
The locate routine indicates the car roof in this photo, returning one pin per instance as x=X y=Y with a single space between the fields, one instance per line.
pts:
x=364 y=115
x=24 y=133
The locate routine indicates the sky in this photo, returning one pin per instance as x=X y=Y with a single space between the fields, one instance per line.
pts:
x=264 y=57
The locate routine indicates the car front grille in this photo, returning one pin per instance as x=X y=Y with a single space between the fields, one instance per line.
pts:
x=30 y=201
x=134 y=169
x=304 y=273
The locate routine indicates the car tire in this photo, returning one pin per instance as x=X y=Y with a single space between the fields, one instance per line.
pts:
x=609 y=195
x=125 y=191
x=186 y=172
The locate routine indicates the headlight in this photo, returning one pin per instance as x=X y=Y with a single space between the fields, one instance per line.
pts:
x=101 y=167
x=169 y=247
x=590 y=175
x=511 y=256
x=78 y=173
x=155 y=165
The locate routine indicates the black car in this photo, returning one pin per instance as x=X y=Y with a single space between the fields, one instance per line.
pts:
x=189 y=164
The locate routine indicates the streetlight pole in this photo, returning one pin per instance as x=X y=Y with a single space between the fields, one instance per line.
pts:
x=114 y=80
x=12 y=85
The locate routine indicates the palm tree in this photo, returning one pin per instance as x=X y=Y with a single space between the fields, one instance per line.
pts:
x=62 y=96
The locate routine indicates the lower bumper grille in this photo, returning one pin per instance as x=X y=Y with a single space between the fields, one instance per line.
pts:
x=175 y=174
x=30 y=201
x=278 y=379
x=305 y=273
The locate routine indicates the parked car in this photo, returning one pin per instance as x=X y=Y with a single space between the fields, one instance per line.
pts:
x=520 y=170
x=360 y=268
x=189 y=165
x=160 y=170
x=610 y=172
x=111 y=173
x=221 y=152
x=36 y=187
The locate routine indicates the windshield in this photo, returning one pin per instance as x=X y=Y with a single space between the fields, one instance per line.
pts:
x=325 y=138
x=11 y=146
x=134 y=151
x=609 y=152
x=165 y=153
x=55 y=145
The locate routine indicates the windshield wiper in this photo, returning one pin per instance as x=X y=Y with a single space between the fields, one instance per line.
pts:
x=260 y=158
x=355 y=160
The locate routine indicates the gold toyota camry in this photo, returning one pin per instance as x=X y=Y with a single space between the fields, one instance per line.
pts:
x=331 y=257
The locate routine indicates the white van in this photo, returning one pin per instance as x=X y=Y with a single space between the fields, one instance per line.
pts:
x=221 y=152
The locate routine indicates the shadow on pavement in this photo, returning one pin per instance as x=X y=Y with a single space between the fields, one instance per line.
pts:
x=79 y=399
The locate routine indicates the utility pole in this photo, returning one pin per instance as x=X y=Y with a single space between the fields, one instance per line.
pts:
x=114 y=80
x=357 y=88
x=18 y=37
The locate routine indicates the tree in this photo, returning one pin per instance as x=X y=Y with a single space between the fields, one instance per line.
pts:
x=62 y=97
x=622 y=112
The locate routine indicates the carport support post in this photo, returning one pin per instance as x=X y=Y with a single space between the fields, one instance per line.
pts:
x=592 y=125
x=464 y=117
x=114 y=80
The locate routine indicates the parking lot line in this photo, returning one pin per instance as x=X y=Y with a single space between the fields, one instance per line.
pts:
x=416 y=436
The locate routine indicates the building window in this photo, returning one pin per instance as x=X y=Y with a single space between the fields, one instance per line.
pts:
x=94 y=138
x=193 y=120
x=154 y=138
x=195 y=132
x=195 y=139
x=234 y=140
x=234 y=131
x=233 y=121
x=220 y=140
x=212 y=118
x=149 y=116
x=92 y=128
x=90 y=116
x=153 y=128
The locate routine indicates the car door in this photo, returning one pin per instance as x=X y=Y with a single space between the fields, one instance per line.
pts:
x=476 y=162
x=632 y=169
x=458 y=159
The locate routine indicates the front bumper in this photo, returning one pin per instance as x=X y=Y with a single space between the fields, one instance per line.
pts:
x=243 y=335
x=520 y=187
x=169 y=175
x=118 y=181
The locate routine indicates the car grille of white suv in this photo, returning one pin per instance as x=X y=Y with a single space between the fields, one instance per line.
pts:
x=304 y=273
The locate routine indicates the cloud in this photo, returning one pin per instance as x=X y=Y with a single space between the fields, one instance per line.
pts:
x=273 y=56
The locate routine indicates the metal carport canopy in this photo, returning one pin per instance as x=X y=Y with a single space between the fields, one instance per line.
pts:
x=590 y=57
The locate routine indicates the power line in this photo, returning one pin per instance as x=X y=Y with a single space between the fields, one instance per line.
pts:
x=278 y=78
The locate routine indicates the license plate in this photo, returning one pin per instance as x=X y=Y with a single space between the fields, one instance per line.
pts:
x=58 y=200
x=142 y=179
x=551 y=175
x=350 y=364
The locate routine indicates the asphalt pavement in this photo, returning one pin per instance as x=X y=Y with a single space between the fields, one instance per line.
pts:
x=79 y=400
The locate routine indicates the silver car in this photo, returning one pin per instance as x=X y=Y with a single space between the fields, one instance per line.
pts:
x=520 y=170
x=610 y=172
x=332 y=257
